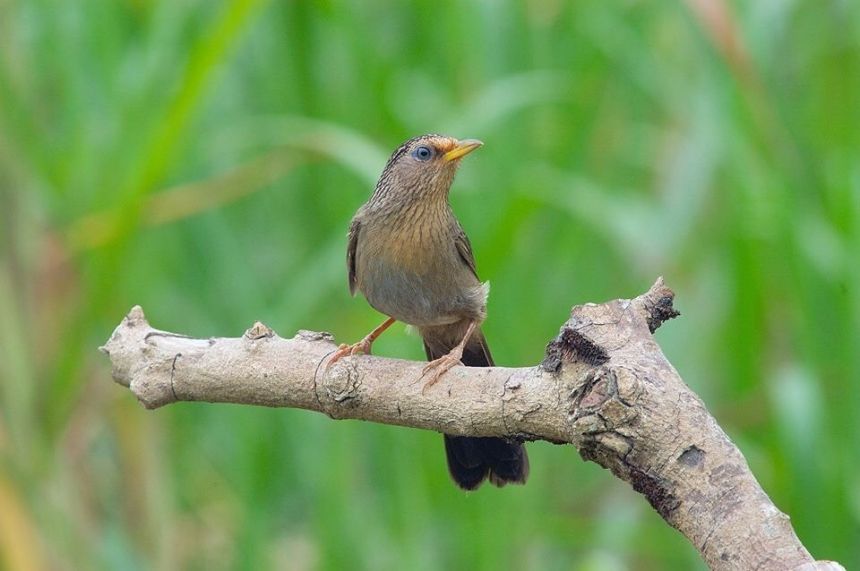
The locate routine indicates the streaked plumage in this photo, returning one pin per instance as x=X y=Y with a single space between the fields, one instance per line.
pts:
x=411 y=259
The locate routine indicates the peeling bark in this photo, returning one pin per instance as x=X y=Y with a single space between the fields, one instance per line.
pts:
x=604 y=386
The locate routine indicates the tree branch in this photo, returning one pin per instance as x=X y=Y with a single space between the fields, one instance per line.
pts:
x=604 y=386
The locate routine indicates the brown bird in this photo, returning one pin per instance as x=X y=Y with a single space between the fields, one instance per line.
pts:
x=411 y=259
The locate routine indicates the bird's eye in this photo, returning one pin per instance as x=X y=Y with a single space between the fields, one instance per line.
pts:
x=423 y=153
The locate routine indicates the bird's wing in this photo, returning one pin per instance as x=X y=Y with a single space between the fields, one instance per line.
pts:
x=351 y=252
x=464 y=248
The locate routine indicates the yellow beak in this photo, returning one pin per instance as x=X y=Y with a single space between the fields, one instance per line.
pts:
x=461 y=149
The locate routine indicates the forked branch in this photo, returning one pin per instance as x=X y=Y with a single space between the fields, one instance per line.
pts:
x=604 y=386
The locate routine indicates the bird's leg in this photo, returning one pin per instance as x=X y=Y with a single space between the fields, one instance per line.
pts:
x=362 y=346
x=443 y=364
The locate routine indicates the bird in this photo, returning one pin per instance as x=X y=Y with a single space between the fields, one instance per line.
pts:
x=409 y=256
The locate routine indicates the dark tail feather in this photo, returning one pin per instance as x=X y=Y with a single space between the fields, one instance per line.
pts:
x=471 y=459
x=465 y=461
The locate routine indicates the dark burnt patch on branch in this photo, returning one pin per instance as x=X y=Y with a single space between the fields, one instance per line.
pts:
x=657 y=303
x=655 y=490
x=571 y=346
x=661 y=312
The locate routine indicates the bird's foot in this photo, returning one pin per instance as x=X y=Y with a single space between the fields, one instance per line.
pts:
x=438 y=367
x=344 y=350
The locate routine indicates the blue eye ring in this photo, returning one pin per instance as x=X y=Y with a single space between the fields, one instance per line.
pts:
x=423 y=153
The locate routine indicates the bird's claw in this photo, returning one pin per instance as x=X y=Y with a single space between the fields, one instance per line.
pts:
x=344 y=350
x=439 y=367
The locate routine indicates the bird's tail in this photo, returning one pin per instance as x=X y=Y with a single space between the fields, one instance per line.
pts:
x=471 y=460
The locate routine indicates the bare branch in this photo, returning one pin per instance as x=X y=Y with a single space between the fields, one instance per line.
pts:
x=604 y=386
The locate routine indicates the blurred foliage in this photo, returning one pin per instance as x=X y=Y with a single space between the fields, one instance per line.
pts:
x=203 y=159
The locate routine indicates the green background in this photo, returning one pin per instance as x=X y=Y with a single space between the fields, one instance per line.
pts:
x=203 y=159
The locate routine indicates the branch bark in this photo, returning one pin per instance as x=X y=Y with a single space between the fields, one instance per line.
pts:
x=604 y=386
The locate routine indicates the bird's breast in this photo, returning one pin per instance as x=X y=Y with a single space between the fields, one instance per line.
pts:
x=414 y=273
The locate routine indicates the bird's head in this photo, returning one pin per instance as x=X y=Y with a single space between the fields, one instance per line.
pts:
x=424 y=167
